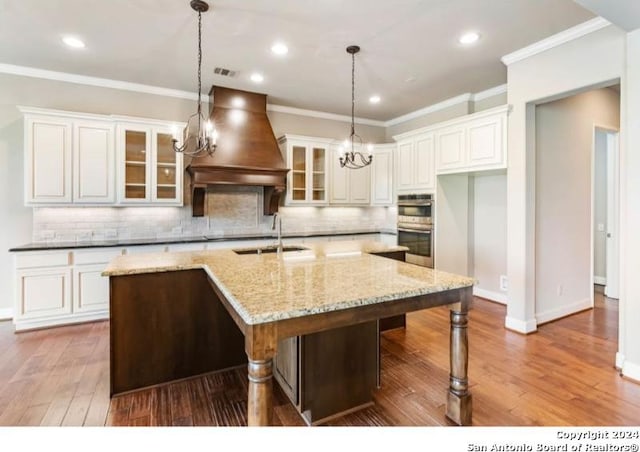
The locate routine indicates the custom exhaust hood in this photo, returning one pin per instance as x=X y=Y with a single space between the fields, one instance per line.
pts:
x=247 y=151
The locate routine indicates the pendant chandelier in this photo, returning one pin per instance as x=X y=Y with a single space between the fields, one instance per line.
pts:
x=352 y=150
x=199 y=134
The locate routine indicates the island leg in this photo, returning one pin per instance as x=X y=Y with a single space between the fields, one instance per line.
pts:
x=459 y=398
x=260 y=398
x=260 y=345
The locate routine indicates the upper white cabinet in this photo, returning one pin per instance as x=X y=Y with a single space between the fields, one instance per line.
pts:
x=382 y=174
x=149 y=171
x=85 y=159
x=415 y=171
x=308 y=176
x=474 y=142
x=349 y=186
x=478 y=142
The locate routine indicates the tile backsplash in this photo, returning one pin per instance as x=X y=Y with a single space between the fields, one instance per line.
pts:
x=231 y=210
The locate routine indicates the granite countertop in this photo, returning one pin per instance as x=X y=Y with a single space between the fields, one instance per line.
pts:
x=326 y=277
x=43 y=246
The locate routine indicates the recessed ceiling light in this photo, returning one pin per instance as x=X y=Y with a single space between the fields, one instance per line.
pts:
x=74 y=42
x=256 y=77
x=375 y=99
x=469 y=38
x=279 y=48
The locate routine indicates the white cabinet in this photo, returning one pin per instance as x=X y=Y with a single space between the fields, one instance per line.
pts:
x=149 y=171
x=415 y=170
x=382 y=175
x=308 y=176
x=349 y=186
x=47 y=159
x=93 y=162
x=90 y=288
x=476 y=144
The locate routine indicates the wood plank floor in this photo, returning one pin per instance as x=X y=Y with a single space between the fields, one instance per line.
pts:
x=561 y=375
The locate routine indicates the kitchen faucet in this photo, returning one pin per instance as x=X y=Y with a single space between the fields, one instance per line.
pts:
x=278 y=221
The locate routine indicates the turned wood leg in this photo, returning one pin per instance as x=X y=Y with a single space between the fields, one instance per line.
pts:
x=260 y=404
x=459 y=398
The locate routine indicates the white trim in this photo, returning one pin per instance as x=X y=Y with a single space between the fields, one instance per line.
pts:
x=563 y=311
x=467 y=97
x=457 y=120
x=600 y=280
x=619 y=360
x=487 y=93
x=323 y=115
x=555 y=40
x=490 y=295
x=631 y=370
x=520 y=326
x=6 y=314
x=95 y=81
x=30 y=324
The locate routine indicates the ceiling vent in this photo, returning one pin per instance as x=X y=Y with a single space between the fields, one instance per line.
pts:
x=224 y=72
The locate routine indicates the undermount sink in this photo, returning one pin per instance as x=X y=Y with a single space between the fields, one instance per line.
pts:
x=269 y=249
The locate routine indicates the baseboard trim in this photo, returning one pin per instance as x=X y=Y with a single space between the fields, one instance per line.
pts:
x=520 y=326
x=563 y=311
x=619 y=360
x=600 y=280
x=490 y=295
x=32 y=324
x=6 y=314
x=631 y=370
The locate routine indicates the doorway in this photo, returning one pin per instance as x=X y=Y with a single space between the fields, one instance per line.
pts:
x=605 y=211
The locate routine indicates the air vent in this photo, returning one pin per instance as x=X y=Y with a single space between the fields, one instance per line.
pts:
x=224 y=72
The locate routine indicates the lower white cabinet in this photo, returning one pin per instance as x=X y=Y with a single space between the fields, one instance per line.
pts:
x=43 y=293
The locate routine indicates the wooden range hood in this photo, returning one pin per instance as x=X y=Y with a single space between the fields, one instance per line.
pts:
x=247 y=151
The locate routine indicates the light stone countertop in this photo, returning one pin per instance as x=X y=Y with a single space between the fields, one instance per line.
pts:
x=328 y=276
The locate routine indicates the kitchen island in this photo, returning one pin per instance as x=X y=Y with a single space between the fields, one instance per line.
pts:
x=268 y=297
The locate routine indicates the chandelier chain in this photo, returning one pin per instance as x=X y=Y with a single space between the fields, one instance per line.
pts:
x=353 y=95
x=199 y=62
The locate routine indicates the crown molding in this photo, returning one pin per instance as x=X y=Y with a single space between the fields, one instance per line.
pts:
x=467 y=97
x=563 y=37
x=95 y=81
x=323 y=115
x=496 y=90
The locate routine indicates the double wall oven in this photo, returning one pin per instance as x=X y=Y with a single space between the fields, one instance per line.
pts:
x=415 y=227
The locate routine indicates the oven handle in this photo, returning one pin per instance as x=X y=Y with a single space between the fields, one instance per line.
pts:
x=419 y=231
x=413 y=204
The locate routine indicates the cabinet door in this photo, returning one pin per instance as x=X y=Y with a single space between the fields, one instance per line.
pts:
x=318 y=176
x=297 y=154
x=450 y=149
x=43 y=292
x=166 y=169
x=405 y=174
x=134 y=146
x=93 y=162
x=48 y=160
x=486 y=147
x=425 y=170
x=382 y=178
x=360 y=185
x=90 y=289
x=339 y=180
x=286 y=367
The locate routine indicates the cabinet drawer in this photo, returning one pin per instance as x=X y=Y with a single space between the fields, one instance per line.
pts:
x=95 y=257
x=32 y=260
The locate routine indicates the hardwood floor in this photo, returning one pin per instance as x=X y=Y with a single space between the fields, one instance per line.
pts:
x=561 y=375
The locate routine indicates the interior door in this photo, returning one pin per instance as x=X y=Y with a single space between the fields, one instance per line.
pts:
x=612 y=289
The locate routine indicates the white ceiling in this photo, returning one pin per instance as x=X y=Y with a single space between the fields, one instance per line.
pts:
x=623 y=13
x=154 y=42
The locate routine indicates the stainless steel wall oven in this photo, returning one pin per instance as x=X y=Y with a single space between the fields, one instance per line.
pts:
x=415 y=227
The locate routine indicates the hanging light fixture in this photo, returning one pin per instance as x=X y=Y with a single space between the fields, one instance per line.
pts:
x=352 y=148
x=199 y=134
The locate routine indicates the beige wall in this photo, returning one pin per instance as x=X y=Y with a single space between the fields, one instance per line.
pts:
x=452 y=220
x=564 y=147
x=593 y=59
x=454 y=111
x=489 y=102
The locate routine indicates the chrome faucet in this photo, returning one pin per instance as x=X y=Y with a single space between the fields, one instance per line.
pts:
x=277 y=221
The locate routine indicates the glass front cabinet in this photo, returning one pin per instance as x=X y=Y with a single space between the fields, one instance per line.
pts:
x=307 y=180
x=150 y=171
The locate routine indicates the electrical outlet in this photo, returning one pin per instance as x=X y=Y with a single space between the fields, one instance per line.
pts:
x=504 y=283
x=560 y=290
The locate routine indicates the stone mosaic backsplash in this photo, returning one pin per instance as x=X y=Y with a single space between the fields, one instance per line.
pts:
x=231 y=210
